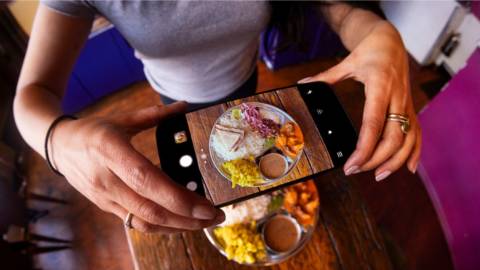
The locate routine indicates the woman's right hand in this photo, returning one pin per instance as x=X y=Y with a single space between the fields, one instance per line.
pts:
x=97 y=158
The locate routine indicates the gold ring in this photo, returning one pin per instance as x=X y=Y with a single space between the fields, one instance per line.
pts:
x=128 y=221
x=402 y=119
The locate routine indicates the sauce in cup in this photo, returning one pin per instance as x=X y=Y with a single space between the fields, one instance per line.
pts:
x=281 y=233
x=273 y=165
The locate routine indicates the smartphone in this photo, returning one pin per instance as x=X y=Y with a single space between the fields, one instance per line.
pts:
x=238 y=149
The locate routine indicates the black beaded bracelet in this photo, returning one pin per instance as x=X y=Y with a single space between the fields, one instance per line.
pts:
x=49 y=131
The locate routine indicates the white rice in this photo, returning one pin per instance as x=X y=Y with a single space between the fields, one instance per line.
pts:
x=253 y=209
x=252 y=144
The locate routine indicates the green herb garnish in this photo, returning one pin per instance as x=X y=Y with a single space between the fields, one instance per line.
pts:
x=236 y=114
x=275 y=203
x=269 y=143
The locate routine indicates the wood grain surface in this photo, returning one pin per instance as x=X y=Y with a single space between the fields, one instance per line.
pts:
x=314 y=159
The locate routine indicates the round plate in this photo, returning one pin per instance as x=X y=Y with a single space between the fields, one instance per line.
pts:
x=284 y=117
x=272 y=258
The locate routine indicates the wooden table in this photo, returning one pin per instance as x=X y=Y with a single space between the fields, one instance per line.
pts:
x=400 y=205
x=346 y=236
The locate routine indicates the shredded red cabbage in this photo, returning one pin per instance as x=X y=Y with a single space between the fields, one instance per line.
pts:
x=266 y=127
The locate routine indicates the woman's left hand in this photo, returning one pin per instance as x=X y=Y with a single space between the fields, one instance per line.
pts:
x=380 y=62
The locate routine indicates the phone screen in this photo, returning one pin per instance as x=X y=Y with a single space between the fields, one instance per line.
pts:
x=239 y=149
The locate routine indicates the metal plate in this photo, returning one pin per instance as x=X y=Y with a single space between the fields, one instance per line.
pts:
x=272 y=257
x=284 y=117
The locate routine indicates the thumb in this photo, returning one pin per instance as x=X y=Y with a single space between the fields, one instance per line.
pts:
x=334 y=74
x=151 y=116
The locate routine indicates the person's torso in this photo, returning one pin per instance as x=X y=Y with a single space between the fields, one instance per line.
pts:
x=192 y=50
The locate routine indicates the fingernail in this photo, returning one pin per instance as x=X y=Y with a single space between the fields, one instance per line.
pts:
x=382 y=176
x=204 y=212
x=305 y=80
x=220 y=217
x=415 y=168
x=353 y=169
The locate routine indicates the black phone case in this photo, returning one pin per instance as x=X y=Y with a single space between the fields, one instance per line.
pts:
x=332 y=122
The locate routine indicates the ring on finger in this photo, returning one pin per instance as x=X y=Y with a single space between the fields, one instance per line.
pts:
x=128 y=221
x=402 y=119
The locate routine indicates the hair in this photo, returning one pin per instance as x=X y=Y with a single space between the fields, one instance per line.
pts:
x=289 y=18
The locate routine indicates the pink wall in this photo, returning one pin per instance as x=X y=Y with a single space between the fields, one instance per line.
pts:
x=450 y=162
x=476 y=8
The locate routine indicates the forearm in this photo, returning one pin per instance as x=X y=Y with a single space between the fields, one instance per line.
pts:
x=354 y=24
x=53 y=48
x=35 y=108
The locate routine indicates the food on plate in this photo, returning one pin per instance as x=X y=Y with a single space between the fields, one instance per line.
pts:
x=268 y=114
x=281 y=233
x=268 y=228
x=241 y=242
x=276 y=202
x=250 y=144
x=246 y=211
x=236 y=114
x=230 y=137
x=301 y=201
x=242 y=172
x=228 y=142
x=269 y=143
x=265 y=126
x=273 y=165
x=290 y=140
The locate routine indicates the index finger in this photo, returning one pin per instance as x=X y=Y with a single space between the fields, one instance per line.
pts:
x=373 y=121
x=149 y=117
x=152 y=183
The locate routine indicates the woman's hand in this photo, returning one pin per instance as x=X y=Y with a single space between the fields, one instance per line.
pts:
x=96 y=157
x=95 y=154
x=380 y=62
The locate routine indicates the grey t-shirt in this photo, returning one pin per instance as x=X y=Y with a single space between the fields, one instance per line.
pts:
x=191 y=50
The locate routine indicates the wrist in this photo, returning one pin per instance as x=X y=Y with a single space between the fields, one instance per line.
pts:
x=391 y=38
x=51 y=144
x=387 y=28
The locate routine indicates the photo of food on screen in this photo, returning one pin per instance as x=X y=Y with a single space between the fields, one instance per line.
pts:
x=255 y=143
